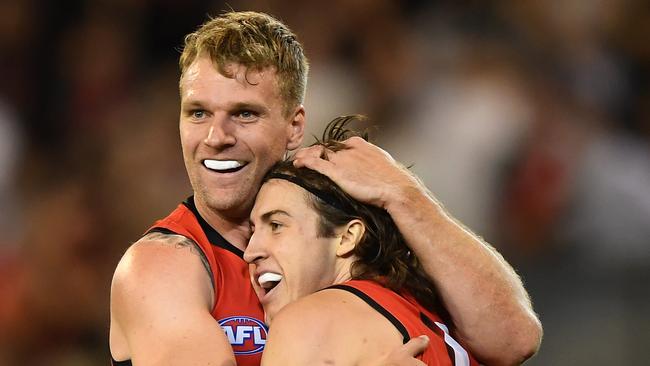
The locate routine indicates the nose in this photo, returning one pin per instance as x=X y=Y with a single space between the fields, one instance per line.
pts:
x=221 y=134
x=255 y=249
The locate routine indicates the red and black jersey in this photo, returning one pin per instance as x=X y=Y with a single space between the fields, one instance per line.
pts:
x=236 y=306
x=411 y=319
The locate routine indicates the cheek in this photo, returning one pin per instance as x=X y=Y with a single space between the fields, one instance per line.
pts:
x=296 y=263
x=272 y=149
x=269 y=142
x=189 y=137
x=316 y=267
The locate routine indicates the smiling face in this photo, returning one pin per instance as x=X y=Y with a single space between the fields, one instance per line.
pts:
x=288 y=259
x=233 y=130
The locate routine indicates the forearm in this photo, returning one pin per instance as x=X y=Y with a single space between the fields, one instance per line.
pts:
x=484 y=296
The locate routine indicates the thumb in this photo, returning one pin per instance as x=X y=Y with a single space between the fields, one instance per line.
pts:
x=416 y=345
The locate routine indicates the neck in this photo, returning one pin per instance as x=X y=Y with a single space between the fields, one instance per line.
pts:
x=236 y=230
x=343 y=269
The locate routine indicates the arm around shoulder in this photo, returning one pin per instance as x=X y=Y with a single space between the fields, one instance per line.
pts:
x=482 y=292
x=161 y=298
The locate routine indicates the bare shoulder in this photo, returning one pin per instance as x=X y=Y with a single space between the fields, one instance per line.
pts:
x=328 y=327
x=326 y=306
x=157 y=249
x=161 y=298
x=156 y=254
x=160 y=267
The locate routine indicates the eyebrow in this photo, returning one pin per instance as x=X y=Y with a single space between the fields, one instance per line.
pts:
x=192 y=103
x=258 y=107
x=238 y=106
x=267 y=216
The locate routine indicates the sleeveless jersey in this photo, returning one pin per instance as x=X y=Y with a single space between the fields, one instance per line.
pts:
x=412 y=320
x=236 y=306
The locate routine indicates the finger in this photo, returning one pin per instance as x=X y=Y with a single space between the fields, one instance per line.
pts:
x=322 y=166
x=312 y=151
x=355 y=141
x=416 y=345
x=413 y=362
x=362 y=146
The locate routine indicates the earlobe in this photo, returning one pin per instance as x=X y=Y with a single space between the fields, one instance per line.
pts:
x=352 y=235
x=296 y=128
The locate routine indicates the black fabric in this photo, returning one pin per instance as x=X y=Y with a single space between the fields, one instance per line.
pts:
x=324 y=196
x=436 y=329
x=120 y=363
x=400 y=327
x=204 y=258
x=161 y=230
x=213 y=236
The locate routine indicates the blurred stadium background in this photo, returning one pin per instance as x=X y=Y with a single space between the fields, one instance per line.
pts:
x=530 y=120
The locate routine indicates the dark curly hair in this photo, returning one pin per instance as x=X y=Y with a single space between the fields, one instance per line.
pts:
x=383 y=255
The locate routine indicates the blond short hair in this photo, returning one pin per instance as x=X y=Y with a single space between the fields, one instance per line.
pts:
x=256 y=41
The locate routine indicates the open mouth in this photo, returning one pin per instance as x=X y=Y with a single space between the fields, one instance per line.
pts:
x=268 y=281
x=224 y=166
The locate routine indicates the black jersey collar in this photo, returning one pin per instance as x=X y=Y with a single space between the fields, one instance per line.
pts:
x=213 y=236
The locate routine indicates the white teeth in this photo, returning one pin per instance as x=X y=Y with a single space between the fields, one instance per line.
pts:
x=269 y=277
x=222 y=164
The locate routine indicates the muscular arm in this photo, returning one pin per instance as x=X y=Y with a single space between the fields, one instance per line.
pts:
x=161 y=297
x=485 y=297
x=483 y=294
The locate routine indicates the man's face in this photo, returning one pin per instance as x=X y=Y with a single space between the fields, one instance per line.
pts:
x=232 y=131
x=288 y=259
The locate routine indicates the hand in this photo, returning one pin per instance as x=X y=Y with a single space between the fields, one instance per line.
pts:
x=406 y=353
x=363 y=170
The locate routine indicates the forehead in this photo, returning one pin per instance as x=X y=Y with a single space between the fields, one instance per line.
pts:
x=203 y=74
x=278 y=194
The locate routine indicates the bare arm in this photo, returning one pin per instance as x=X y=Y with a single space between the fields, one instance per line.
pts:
x=299 y=337
x=336 y=328
x=481 y=291
x=161 y=298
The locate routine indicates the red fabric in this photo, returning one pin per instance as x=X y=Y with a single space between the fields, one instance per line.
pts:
x=408 y=312
x=235 y=298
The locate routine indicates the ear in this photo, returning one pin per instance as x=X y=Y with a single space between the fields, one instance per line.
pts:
x=350 y=237
x=296 y=128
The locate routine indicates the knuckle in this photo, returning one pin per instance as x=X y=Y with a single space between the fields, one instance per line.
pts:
x=355 y=140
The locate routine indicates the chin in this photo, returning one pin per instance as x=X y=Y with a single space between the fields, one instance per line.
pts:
x=224 y=201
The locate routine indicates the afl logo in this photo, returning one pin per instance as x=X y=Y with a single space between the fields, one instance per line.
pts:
x=246 y=335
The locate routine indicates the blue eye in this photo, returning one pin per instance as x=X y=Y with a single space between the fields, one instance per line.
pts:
x=246 y=115
x=198 y=114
